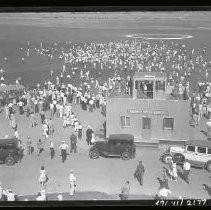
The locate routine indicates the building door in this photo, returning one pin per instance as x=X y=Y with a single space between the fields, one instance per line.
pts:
x=146 y=128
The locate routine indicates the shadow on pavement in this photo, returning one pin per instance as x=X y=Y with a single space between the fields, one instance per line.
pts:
x=207 y=188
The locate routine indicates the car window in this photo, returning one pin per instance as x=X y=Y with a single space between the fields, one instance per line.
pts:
x=191 y=148
x=209 y=151
x=201 y=150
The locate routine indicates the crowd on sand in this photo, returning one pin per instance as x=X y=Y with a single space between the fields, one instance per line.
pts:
x=89 y=73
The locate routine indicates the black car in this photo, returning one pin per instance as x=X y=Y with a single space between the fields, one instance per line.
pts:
x=117 y=145
x=10 y=153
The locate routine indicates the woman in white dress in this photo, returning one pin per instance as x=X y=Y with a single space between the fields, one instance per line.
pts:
x=43 y=178
x=72 y=180
x=174 y=171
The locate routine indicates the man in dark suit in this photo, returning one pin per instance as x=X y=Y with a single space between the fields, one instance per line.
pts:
x=73 y=143
x=89 y=132
x=139 y=173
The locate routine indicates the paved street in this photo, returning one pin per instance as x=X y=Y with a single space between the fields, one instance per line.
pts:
x=104 y=175
x=102 y=178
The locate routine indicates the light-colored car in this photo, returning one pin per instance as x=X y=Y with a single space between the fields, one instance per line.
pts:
x=198 y=153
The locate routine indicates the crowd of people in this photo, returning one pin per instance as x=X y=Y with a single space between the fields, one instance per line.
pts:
x=89 y=73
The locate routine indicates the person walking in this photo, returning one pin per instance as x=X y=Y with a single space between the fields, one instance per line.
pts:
x=208 y=124
x=92 y=139
x=39 y=147
x=29 y=145
x=163 y=193
x=89 y=134
x=174 y=171
x=50 y=127
x=170 y=171
x=43 y=178
x=52 y=151
x=42 y=116
x=80 y=131
x=20 y=105
x=186 y=170
x=64 y=148
x=72 y=180
x=45 y=130
x=32 y=120
x=139 y=173
x=125 y=191
x=73 y=143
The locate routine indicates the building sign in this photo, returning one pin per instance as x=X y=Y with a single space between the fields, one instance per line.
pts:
x=152 y=112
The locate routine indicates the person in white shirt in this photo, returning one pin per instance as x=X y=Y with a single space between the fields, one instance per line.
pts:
x=61 y=109
x=1 y=191
x=16 y=134
x=60 y=197
x=41 y=196
x=45 y=130
x=64 y=148
x=80 y=131
x=76 y=124
x=6 y=112
x=10 y=195
x=43 y=178
x=72 y=180
x=20 y=105
x=52 y=109
x=164 y=192
x=186 y=170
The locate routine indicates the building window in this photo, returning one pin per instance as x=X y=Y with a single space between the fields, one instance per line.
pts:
x=125 y=121
x=146 y=123
x=191 y=148
x=168 y=123
x=201 y=150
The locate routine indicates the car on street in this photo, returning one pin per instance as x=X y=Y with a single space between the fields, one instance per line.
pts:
x=10 y=153
x=198 y=153
x=117 y=145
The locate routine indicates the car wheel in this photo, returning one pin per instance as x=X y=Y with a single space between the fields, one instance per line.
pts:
x=166 y=158
x=9 y=161
x=178 y=158
x=208 y=166
x=94 y=154
x=125 y=156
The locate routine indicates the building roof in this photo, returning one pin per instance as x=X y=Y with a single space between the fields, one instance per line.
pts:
x=148 y=75
x=8 y=141
x=202 y=143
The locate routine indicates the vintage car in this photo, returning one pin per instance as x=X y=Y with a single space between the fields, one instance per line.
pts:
x=198 y=153
x=10 y=153
x=117 y=145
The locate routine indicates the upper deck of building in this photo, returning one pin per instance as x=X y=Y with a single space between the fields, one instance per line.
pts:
x=147 y=85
